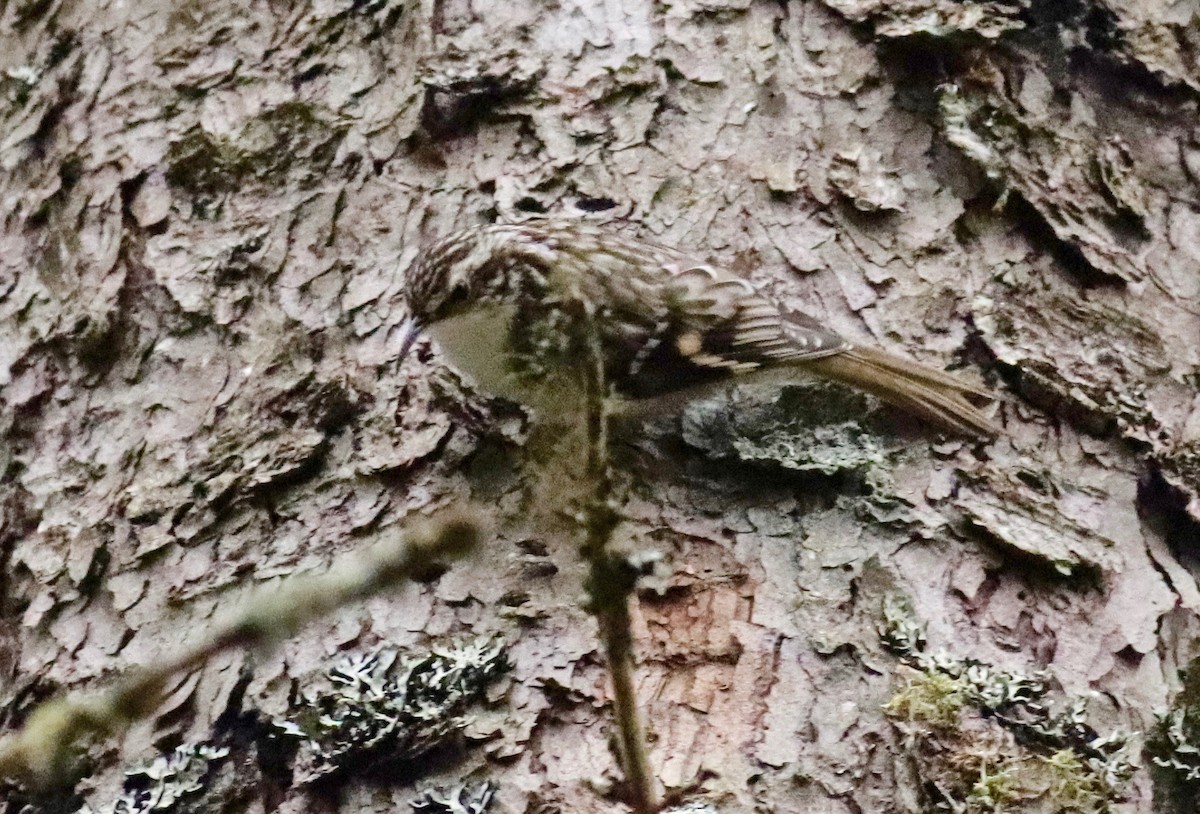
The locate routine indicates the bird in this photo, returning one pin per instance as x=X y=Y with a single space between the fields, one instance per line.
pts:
x=514 y=306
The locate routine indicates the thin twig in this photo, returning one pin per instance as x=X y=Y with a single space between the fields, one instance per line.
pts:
x=42 y=751
x=610 y=583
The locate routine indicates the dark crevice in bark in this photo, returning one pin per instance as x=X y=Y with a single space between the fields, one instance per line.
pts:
x=448 y=113
x=385 y=775
x=19 y=521
x=1035 y=572
x=1068 y=256
x=1165 y=509
x=1130 y=84
x=28 y=13
x=274 y=756
x=595 y=204
x=1039 y=391
x=21 y=801
x=917 y=66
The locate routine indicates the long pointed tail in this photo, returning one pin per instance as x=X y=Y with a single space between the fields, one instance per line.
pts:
x=931 y=395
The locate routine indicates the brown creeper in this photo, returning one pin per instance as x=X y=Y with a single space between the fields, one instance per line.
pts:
x=512 y=306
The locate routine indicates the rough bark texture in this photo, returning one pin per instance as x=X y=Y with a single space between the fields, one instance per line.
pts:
x=208 y=208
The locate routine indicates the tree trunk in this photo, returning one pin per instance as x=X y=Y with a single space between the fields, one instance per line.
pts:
x=208 y=210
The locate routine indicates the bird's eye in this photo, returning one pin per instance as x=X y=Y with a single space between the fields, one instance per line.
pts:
x=456 y=299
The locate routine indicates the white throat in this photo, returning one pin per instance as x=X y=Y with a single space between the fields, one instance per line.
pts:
x=477 y=344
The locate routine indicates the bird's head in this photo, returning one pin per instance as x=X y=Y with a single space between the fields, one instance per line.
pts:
x=467 y=268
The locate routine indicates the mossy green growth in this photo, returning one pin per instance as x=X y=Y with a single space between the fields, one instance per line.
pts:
x=984 y=739
x=933 y=699
x=997 y=788
x=1074 y=783
x=1018 y=782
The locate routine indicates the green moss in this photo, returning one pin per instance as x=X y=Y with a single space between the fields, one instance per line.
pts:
x=985 y=739
x=1073 y=785
x=930 y=699
x=996 y=788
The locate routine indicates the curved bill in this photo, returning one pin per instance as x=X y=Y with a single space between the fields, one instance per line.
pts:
x=410 y=331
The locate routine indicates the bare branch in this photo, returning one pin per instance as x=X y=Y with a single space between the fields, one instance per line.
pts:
x=611 y=580
x=41 y=752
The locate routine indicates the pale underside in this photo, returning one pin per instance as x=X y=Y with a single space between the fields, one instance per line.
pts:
x=476 y=343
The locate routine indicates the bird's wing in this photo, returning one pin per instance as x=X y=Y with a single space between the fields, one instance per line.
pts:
x=738 y=327
x=672 y=321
